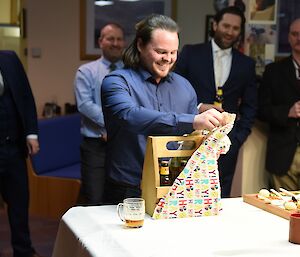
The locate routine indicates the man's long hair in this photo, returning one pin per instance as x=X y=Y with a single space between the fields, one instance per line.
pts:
x=144 y=30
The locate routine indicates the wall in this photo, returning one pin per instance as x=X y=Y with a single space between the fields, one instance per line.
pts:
x=254 y=176
x=191 y=19
x=52 y=31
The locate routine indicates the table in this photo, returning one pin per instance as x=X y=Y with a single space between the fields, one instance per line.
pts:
x=239 y=230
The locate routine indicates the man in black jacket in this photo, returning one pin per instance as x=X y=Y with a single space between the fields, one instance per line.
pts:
x=279 y=106
x=18 y=137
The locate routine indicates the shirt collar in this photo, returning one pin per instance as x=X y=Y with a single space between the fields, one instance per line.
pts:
x=216 y=48
x=297 y=66
x=106 y=62
x=147 y=76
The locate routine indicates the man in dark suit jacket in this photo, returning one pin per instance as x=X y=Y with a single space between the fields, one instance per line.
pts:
x=237 y=81
x=279 y=106
x=18 y=137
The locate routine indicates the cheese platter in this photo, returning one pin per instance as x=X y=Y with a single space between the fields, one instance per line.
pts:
x=282 y=204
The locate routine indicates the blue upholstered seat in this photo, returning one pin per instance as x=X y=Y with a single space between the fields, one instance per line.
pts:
x=59 y=154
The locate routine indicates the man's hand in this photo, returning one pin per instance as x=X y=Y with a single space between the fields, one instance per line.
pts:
x=205 y=107
x=33 y=146
x=104 y=137
x=208 y=120
x=295 y=111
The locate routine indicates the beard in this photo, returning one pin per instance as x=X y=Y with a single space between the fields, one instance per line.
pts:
x=219 y=39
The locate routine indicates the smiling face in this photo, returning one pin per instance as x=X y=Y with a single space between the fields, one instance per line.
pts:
x=112 y=42
x=160 y=54
x=227 y=31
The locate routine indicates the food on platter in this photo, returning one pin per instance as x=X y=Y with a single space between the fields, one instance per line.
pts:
x=267 y=196
x=285 y=200
x=294 y=197
x=263 y=193
x=277 y=202
x=290 y=206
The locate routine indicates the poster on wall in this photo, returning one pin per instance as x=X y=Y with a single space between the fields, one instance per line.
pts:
x=260 y=44
x=262 y=11
x=261 y=34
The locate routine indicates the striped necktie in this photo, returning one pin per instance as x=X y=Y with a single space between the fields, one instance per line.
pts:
x=112 y=67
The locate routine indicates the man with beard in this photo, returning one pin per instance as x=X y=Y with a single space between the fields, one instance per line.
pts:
x=87 y=91
x=224 y=79
x=279 y=106
x=146 y=98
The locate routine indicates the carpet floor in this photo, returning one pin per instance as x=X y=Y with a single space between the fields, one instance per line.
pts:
x=43 y=234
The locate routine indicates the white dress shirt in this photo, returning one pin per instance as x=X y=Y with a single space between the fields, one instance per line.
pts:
x=226 y=60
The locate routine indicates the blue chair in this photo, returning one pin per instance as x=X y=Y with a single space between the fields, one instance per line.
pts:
x=54 y=173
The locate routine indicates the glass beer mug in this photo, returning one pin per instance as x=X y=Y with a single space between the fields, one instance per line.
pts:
x=132 y=212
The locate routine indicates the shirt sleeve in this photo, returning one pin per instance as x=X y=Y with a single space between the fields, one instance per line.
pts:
x=120 y=106
x=85 y=93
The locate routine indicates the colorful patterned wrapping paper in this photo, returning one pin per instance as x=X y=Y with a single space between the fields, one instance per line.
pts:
x=196 y=191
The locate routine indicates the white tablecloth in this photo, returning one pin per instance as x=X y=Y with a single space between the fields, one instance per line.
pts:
x=239 y=230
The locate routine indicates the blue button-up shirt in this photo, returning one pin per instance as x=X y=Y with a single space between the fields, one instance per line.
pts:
x=135 y=107
x=88 y=81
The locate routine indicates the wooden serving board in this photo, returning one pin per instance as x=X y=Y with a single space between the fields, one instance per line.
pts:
x=253 y=200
